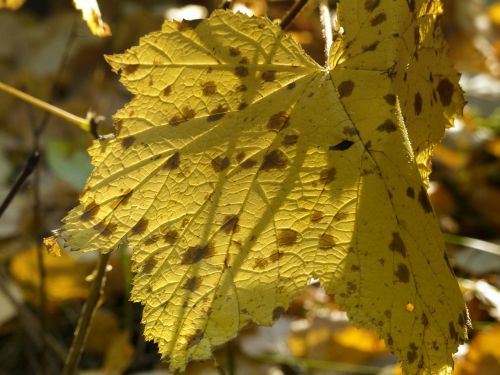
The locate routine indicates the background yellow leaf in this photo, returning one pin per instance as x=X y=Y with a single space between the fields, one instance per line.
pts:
x=11 y=4
x=65 y=279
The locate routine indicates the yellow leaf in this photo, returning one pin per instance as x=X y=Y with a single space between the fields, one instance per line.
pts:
x=52 y=246
x=65 y=279
x=11 y=4
x=483 y=356
x=92 y=15
x=242 y=169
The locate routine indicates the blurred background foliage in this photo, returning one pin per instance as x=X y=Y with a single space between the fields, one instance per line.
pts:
x=47 y=51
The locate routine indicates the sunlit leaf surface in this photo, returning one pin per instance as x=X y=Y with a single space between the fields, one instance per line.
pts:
x=241 y=169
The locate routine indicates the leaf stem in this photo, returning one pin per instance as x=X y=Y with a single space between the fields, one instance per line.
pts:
x=326 y=22
x=78 y=121
x=86 y=316
x=29 y=167
x=292 y=13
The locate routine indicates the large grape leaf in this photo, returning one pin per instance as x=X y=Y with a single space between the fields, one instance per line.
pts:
x=242 y=169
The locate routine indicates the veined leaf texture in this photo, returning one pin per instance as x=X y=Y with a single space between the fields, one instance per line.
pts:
x=241 y=169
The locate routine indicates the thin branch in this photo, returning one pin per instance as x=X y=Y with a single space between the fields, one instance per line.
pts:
x=29 y=167
x=230 y=359
x=292 y=13
x=78 y=121
x=326 y=22
x=473 y=243
x=82 y=329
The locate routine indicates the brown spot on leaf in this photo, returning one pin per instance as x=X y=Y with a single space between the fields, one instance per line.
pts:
x=242 y=106
x=194 y=339
x=390 y=99
x=423 y=198
x=230 y=224
x=217 y=113
x=241 y=88
x=397 y=244
x=233 y=51
x=410 y=192
x=290 y=139
x=403 y=274
x=388 y=126
x=412 y=353
x=275 y=256
x=171 y=236
x=194 y=254
x=390 y=341
x=149 y=265
x=220 y=163
x=417 y=103
x=445 y=90
x=370 y=5
x=240 y=156
x=209 y=88
x=241 y=71
x=345 y=89
x=249 y=163
x=291 y=85
x=277 y=121
x=378 y=19
x=172 y=162
x=276 y=159
x=287 y=237
x=342 y=146
x=370 y=47
x=128 y=141
x=327 y=175
x=192 y=283
x=326 y=241
x=109 y=229
x=90 y=211
x=167 y=90
x=151 y=240
x=140 y=227
x=188 y=113
x=129 y=69
x=269 y=75
x=175 y=120
x=425 y=320
x=260 y=263
x=316 y=216
x=277 y=312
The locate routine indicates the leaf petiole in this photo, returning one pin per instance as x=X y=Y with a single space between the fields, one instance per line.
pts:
x=82 y=123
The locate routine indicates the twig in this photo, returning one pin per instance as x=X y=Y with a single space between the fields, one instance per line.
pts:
x=326 y=22
x=292 y=13
x=230 y=365
x=473 y=243
x=218 y=367
x=86 y=316
x=29 y=167
x=78 y=121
